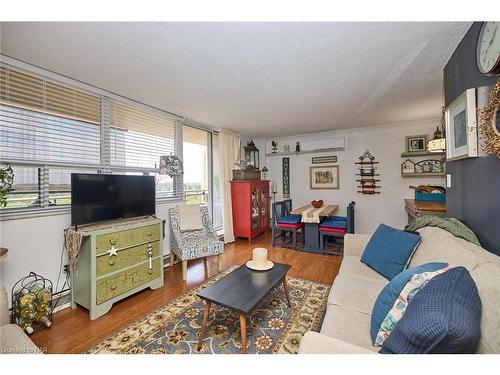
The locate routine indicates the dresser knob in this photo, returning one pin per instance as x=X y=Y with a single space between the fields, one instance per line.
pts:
x=150 y=234
x=111 y=262
x=150 y=272
x=112 y=241
x=113 y=287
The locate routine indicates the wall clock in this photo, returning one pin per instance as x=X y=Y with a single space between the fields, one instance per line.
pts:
x=488 y=48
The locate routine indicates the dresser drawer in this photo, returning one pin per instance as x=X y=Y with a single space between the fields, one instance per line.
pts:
x=122 y=282
x=127 y=237
x=124 y=258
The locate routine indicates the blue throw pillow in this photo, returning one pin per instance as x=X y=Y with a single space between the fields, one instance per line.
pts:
x=290 y=219
x=388 y=296
x=444 y=317
x=389 y=250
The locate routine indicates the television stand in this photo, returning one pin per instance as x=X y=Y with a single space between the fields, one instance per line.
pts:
x=116 y=260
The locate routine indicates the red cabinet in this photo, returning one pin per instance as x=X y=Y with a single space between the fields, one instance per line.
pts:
x=251 y=204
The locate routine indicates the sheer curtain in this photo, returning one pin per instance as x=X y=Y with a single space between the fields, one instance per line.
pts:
x=229 y=151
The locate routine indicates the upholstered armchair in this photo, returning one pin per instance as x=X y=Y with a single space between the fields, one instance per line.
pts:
x=194 y=244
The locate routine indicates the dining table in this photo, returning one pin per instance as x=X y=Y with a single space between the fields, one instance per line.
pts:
x=311 y=217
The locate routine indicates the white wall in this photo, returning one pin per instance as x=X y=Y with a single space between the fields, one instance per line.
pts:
x=36 y=244
x=386 y=143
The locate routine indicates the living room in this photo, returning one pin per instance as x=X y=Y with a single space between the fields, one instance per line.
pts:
x=279 y=186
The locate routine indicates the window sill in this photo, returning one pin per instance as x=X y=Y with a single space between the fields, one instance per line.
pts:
x=29 y=213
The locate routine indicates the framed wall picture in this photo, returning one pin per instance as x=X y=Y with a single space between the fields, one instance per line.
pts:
x=325 y=177
x=461 y=127
x=324 y=159
x=416 y=143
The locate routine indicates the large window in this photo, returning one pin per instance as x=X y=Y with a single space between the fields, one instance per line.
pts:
x=48 y=131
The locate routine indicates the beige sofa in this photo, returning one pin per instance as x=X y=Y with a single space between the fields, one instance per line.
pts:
x=346 y=326
x=13 y=340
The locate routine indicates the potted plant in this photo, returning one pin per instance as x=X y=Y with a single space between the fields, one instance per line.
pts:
x=6 y=181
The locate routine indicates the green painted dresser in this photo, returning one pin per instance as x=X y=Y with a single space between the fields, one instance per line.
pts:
x=114 y=263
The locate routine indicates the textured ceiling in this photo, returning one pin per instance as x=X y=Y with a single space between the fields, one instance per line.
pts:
x=259 y=79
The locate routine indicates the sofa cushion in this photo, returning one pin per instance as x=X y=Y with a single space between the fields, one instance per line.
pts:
x=189 y=217
x=487 y=278
x=444 y=317
x=356 y=293
x=393 y=300
x=389 y=250
x=332 y=230
x=439 y=245
x=348 y=325
x=316 y=343
x=352 y=266
x=290 y=219
x=288 y=225
x=335 y=222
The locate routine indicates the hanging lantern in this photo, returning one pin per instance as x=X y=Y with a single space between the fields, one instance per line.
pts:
x=252 y=155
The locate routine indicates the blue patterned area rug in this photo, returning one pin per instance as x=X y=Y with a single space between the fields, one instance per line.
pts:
x=272 y=328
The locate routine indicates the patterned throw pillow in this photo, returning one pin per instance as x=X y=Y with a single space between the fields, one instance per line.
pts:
x=391 y=291
x=412 y=287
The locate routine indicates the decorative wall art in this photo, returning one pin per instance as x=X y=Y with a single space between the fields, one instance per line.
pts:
x=429 y=166
x=368 y=174
x=274 y=145
x=326 y=177
x=416 y=143
x=408 y=167
x=324 y=159
x=489 y=122
x=286 y=177
x=461 y=127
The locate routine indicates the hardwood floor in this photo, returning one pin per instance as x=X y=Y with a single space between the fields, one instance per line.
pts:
x=73 y=332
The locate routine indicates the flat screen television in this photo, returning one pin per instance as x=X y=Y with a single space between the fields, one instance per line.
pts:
x=100 y=197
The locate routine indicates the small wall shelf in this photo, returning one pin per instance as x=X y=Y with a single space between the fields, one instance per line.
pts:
x=411 y=175
x=420 y=153
x=333 y=149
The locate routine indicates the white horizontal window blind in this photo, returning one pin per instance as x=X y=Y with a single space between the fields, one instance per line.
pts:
x=45 y=121
x=138 y=139
x=29 y=135
x=27 y=91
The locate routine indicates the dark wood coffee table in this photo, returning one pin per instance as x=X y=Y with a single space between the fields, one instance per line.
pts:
x=242 y=290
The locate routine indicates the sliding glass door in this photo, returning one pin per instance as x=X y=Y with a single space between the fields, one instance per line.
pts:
x=201 y=170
